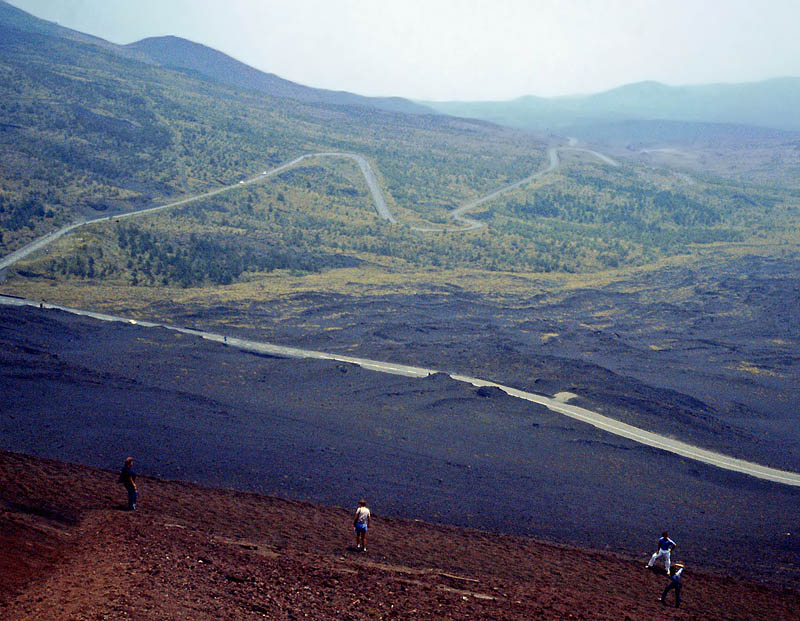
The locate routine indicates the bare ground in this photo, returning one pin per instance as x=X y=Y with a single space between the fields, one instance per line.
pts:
x=78 y=390
x=69 y=551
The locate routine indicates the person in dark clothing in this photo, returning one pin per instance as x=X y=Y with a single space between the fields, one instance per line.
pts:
x=128 y=478
x=674 y=584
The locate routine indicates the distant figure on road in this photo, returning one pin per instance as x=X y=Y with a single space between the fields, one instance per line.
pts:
x=663 y=547
x=360 y=524
x=128 y=478
x=674 y=583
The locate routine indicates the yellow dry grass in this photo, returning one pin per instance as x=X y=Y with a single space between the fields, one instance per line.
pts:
x=754 y=369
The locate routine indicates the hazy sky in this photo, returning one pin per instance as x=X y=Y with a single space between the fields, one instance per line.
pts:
x=466 y=49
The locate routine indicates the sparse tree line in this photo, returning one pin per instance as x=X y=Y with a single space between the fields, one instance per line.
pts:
x=198 y=260
x=631 y=206
x=144 y=257
x=305 y=221
x=26 y=213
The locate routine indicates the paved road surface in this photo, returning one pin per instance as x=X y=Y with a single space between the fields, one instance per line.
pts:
x=369 y=176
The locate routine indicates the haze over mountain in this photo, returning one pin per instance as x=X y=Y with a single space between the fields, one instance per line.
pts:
x=17 y=19
x=442 y=51
x=177 y=53
x=771 y=103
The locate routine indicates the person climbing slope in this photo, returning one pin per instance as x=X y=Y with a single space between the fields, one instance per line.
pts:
x=674 y=584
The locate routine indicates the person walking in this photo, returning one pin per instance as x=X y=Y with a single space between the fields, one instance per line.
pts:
x=674 y=584
x=360 y=525
x=663 y=548
x=128 y=478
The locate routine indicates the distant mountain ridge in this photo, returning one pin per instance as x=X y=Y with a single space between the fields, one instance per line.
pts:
x=772 y=103
x=177 y=53
x=17 y=19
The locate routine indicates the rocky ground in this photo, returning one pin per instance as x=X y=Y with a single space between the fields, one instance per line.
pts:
x=80 y=390
x=68 y=550
x=707 y=351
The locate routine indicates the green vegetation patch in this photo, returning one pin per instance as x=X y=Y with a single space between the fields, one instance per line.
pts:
x=86 y=132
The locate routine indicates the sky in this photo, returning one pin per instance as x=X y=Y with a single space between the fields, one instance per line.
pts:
x=466 y=49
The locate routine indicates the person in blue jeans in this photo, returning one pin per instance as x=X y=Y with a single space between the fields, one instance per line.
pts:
x=663 y=548
x=128 y=478
x=674 y=584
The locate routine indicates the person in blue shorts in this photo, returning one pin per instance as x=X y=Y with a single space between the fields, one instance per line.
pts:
x=663 y=548
x=674 y=584
x=360 y=524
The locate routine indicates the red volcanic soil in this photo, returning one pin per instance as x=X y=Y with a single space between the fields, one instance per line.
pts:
x=68 y=550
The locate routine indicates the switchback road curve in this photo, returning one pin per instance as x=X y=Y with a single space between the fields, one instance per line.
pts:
x=557 y=405
x=369 y=177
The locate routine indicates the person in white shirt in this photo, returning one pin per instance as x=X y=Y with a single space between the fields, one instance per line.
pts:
x=360 y=524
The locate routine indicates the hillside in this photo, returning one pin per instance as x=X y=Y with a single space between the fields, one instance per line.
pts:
x=68 y=551
x=88 y=132
x=81 y=390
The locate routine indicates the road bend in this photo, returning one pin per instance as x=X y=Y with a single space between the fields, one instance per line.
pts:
x=371 y=179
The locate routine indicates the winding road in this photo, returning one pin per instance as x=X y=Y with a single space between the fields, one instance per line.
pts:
x=458 y=213
x=371 y=179
x=556 y=404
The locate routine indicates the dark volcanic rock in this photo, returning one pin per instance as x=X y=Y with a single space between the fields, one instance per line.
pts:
x=490 y=391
